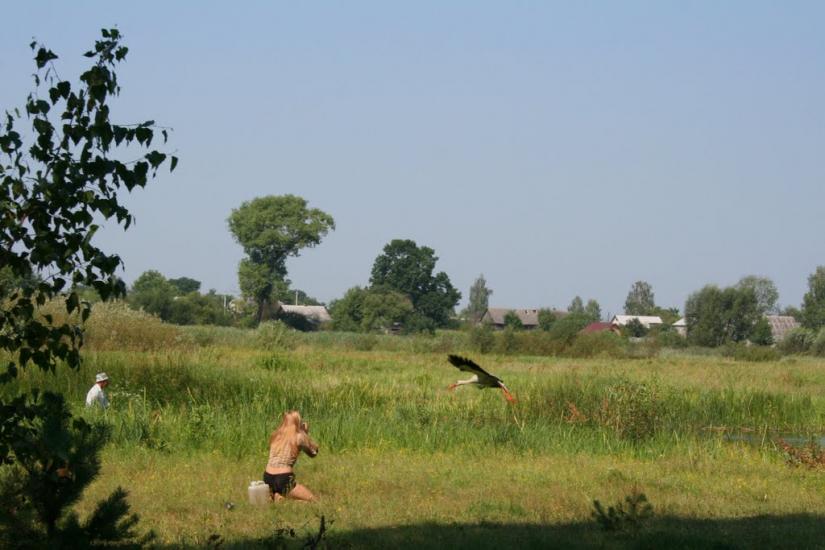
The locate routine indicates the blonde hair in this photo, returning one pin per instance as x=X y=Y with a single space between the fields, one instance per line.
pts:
x=285 y=436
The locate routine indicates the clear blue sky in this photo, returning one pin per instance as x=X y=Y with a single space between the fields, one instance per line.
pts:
x=557 y=148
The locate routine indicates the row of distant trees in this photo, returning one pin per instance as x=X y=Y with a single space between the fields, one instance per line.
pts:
x=717 y=316
x=714 y=316
x=405 y=291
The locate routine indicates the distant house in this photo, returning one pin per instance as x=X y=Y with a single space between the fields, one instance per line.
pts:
x=529 y=318
x=315 y=314
x=681 y=327
x=781 y=325
x=599 y=327
x=647 y=321
x=495 y=316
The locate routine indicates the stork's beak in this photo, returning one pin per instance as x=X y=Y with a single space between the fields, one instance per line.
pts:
x=510 y=397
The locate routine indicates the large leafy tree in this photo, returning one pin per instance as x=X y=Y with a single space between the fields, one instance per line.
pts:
x=370 y=310
x=813 y=303
x=405 y=267
x=153 y=293
x=717 y=316
x=640 y=300
x=576 y=306
x=185 y=285
x=479 y=299
x=668 y=315
x=592 y=310
x=200 y=309
x=765 y=290
x=57 y=180
x=589 y=312
x=270 y=230
x=547 y=317
x=513 y=321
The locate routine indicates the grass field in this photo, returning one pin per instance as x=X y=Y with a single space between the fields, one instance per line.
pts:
x=404 y=463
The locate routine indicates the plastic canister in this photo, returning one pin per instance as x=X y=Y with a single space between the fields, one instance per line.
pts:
x=258 y=493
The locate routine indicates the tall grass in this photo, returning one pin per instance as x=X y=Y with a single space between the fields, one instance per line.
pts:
x=228 y=399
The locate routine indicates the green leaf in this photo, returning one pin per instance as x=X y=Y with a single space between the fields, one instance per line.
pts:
x=65 y=88
x=120 y=132
x=72 y=302
x=43 y=56
x=155 y=158
x=174 y=163
x=143 y=135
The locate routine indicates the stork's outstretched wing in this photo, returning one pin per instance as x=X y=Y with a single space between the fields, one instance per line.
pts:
x=470 y=366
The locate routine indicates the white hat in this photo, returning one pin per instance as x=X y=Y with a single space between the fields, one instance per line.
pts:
x=101 y=376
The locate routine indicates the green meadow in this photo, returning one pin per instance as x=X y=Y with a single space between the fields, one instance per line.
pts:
x=406 y=463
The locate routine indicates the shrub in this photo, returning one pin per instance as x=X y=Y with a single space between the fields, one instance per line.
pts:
x=643 y=347
x=629 y=515
x=818 y=344
x=671 y=339
x=565 y=329
x=115 y=326
x=297 y=321
x=632 y=410
x=512 y=320
x=634 y=328
x=275 y=335
x=365 y=342
x=761 y=333
x=599 y=343
x=482 y=339
x=547 y=317
x=798 y=340
x=56 y=457
x=506 y=341
x=743 y=352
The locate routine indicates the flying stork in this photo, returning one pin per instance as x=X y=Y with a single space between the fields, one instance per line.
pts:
x=480 y=378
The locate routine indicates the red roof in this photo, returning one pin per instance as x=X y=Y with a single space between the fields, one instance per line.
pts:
x=596 y=327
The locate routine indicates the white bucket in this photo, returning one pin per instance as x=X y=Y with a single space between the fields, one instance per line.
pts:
x=258 y=493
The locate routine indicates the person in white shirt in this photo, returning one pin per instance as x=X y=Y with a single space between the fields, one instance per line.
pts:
x=96 y=395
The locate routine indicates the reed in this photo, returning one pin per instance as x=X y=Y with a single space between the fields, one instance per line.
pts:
x=229 y=398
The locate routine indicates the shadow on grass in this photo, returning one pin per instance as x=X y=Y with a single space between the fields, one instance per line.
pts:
x=791 y=531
